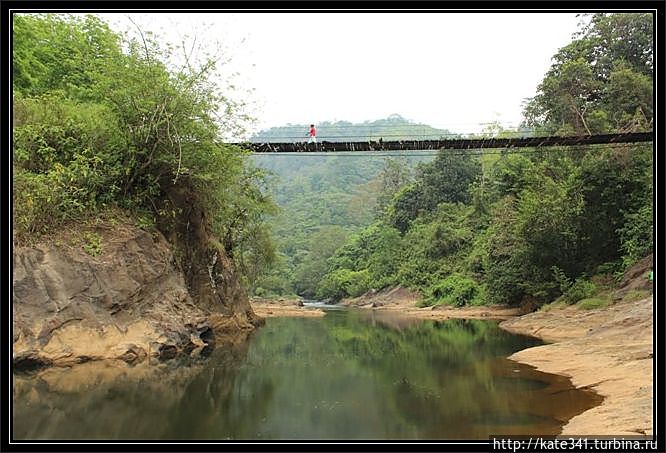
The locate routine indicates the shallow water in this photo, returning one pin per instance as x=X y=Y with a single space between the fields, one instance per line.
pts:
x=349 y=375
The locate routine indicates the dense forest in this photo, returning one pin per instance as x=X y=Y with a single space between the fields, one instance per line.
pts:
x=323 y=200
x=106 y=124
x=504 y=226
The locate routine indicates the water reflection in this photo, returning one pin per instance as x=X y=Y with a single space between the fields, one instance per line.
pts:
x=349 y=375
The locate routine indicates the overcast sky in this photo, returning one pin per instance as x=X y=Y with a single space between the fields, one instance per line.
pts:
x=448 y=70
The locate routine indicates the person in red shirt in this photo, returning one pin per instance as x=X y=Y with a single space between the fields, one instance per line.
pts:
x=313 y=134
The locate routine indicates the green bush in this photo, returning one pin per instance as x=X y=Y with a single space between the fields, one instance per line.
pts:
x=580 y=289
x=344 y=283
x=93 y=243
x=456 y=290
x=611 y=268
x=97 y=124
x=145 y=222
x=637 y=235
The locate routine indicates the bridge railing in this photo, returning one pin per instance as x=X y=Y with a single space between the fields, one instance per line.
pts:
x=458 y=144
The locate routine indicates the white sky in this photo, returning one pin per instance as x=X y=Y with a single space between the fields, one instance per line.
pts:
x=448 y=70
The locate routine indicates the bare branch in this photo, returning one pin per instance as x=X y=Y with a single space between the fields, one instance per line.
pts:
x=145 y=45
x=180 y=154
x=188 y=55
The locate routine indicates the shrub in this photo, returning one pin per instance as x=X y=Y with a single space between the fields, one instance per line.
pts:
x=344 y=283
x=613 y=269
x=456 y=290
x=637 y=235
x=36 y=204
x=66 y=162
x=635 y=294
x=93 y=243
x=580 y=289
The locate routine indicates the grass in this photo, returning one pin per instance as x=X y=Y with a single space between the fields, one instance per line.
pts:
x=592 y=303
x=636 y=294
x=426 y=302
x=599 y=299
x=557 y=303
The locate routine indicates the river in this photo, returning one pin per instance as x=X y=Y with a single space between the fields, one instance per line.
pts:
x=352 y=374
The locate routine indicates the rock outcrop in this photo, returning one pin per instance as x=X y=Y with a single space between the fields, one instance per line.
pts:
x=130 y=302
x=636 y=278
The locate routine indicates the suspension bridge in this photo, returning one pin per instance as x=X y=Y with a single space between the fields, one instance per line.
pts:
x=454 y=144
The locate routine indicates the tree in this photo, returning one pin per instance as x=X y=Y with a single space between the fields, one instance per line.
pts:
x=312 y=267
x=445 y=179
x=104 y=122
x=55 y=52
x=600 y=82
x=615 y=183
x=395 y=174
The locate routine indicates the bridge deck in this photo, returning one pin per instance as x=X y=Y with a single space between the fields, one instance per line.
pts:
x=475 y=143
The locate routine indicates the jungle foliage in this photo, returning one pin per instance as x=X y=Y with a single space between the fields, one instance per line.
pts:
x=323 y=200
x=526 y=226
x=101 y=120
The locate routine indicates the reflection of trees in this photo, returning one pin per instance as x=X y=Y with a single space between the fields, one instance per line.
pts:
x=342 y=376
x=107 y=400
x=425 y=379
x=219 y=406
x=440 y=376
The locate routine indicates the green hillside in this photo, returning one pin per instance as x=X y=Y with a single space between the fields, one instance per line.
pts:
x=395 y=127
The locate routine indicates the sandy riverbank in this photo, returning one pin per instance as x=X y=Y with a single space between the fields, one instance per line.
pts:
x=398 y=301
x=609 y=350
x=403 y=301
x=272 y=308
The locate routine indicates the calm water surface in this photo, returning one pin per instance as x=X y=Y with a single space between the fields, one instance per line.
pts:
x=348 y=375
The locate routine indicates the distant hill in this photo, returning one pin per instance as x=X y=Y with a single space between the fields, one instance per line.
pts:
x=395 y=127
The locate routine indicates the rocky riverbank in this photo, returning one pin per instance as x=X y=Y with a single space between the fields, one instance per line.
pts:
x=114 y=291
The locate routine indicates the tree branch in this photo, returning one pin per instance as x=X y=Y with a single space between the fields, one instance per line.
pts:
x=145 y=45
